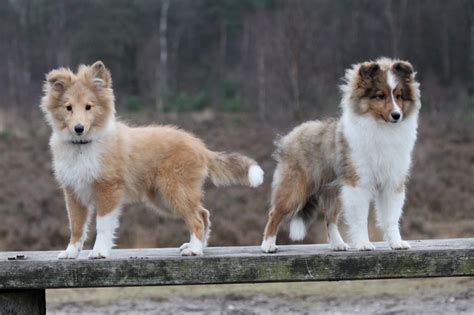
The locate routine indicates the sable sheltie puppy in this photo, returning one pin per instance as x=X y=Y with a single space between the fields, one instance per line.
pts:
x=347 y=164
x=103 y=164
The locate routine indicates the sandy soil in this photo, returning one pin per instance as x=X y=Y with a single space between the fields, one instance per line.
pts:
x=414 y=296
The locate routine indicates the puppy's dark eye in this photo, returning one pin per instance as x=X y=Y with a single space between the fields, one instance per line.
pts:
x=399 y=96
x=88 y=107
x=69 y=108
x=379 y=96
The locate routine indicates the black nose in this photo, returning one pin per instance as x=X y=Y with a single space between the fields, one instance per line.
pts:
x=395 y=116
x=79 y=129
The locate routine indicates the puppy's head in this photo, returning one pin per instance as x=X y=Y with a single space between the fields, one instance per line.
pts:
x=79 y=105
x=385 y=89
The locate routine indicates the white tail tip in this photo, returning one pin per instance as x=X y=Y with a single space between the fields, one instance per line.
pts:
x=297 y=229
x=255 y=175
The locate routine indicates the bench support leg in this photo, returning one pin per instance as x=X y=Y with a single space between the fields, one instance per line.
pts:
x=23 y=302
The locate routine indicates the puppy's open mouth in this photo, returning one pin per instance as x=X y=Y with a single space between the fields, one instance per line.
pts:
x=81 y=141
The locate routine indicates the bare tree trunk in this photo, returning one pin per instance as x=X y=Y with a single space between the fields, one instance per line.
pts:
x=221 y=65
x=163 y=68
x=471 y=44
x=262 y=107
x=294 y=77
x=393 y=25
x=445 y=48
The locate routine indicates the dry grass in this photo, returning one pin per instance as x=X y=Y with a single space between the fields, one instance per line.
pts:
x=440 y=193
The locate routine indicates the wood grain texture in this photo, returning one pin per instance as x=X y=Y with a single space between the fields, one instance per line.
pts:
x=31 y=302
x=139 y=267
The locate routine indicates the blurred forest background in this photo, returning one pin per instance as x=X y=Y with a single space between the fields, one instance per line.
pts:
x=236 y=73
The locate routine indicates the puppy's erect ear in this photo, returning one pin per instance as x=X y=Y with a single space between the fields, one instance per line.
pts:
x=368 y=70
x=100 y=75
x=59 y=79
x=403 y=68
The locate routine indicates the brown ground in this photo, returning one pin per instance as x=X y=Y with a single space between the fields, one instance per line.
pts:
x=416 y=296
x=440 y=193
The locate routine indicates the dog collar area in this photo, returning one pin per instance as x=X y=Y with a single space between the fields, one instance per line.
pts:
x=81 y=141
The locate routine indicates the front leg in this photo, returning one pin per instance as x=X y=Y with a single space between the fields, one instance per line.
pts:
x=79 y=218
x=108 y=199
x=355 y=204
x=389 y=204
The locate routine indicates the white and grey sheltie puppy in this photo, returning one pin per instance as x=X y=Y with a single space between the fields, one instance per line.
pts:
x=103 y=164
x=347 y=164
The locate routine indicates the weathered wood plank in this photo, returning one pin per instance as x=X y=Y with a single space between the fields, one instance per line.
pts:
x=137 y=267
x=31 y=302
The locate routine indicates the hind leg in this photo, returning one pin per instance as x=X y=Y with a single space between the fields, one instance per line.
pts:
x=334 y=237
x=184 y=196
x=207 y=229
x=289 y=195
x=197 y=242
x=207 y=225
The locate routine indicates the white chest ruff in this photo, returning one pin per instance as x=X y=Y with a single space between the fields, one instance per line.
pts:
x=77 y=167
x=380 y=152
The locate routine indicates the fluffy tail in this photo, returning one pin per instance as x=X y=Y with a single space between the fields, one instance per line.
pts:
x=234 y=168
x=301 y=220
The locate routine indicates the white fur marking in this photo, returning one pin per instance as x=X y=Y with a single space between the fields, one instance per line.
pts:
x=396 y=108
x=355 y=202
x=386 y=158
x=389 y=204
x=255 y=175
x=297 y=229
x=78 y=166
x=392 y=82
x=277 y=178
x=400 y=245
x=72 y=251
x=193 y=248
x=269 y=245
x=106 y=226
x=335 y=240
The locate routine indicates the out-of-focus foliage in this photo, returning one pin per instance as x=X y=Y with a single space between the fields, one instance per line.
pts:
x=279 y=55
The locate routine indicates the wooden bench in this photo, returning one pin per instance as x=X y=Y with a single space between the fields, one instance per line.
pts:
x=24 y=276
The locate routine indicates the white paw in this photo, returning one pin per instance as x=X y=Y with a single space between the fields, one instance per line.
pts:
x=184 y=246
x=188 y=251
x=255 y=175
x=72 y=252
x=98 y=254
x=400 y=245
x=269 y=245
x=269 y=249
x=193 y=248
x=339 y=247
x=68 y=255
x=366 y=246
